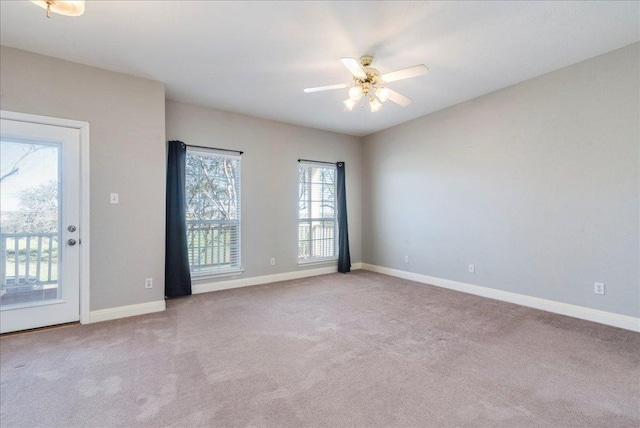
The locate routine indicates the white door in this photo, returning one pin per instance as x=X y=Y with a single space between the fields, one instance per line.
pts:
x=39 y=225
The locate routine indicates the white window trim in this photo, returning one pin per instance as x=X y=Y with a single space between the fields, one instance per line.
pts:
x=320 y=260
x=203 y=276
x=236 y=270
x=212 y=153
x=317 y=261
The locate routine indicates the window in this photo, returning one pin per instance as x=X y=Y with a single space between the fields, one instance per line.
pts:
x=317 y=221
x=213 y=211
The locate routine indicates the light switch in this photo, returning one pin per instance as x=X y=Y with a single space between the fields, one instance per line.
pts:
x=114 y=198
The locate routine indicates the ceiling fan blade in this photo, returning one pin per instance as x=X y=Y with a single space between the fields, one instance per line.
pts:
x=354 y=67
x=326 y=88
x=399 y=98
x=405 y=73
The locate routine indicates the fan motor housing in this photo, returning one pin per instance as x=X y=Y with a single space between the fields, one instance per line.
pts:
x=373 y=76
x=366 y=60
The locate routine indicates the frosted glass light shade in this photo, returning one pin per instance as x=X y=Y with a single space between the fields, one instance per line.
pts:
x=355 y=93
x=382 y=93
x=63 y=7
x=374 y=104
x=349 y=103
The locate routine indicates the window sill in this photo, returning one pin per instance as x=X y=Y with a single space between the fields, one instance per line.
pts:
x=312 y=262
x=204 y=276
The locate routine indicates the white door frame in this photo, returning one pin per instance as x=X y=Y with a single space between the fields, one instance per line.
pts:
x=84 y=196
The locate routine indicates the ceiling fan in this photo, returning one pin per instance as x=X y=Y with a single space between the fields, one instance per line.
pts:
x=368 y=83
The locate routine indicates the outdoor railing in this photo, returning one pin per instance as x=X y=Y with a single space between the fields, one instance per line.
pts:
x=316 y=239
x=213 y=244
x=28 y=260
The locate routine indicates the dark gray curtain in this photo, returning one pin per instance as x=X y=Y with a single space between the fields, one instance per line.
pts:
x=344 y=258
x=177 y=277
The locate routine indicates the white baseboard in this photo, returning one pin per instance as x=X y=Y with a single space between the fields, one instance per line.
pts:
x=265 y=279
x=595 y=315
x=158 y=306
x=126 y=311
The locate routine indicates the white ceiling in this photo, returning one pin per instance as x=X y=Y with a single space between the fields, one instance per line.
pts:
x=256 y=57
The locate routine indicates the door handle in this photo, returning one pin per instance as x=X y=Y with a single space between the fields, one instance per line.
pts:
x=71 y=242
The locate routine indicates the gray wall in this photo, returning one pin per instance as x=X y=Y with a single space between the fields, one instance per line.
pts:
x=127 y=156
x=269 y=178
x=537 y=184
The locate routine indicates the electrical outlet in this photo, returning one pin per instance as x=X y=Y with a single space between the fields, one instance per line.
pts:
x=148 y=283
x=472 y=268
x=598 y=288
x=273 y=261
x=406 y=259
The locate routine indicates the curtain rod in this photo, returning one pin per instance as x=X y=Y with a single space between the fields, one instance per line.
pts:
x=309 y=160
x=215 y=148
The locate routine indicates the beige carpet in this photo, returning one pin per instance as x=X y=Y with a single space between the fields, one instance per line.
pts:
x=356 y=350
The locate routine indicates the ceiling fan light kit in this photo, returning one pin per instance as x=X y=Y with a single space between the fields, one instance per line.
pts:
x=374 y=104
x=349 y=104
x=355 y=93
x=62 y=7
x=368 y=83
x=382 y=94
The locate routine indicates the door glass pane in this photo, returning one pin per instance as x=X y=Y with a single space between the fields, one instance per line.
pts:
x=29 y=222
